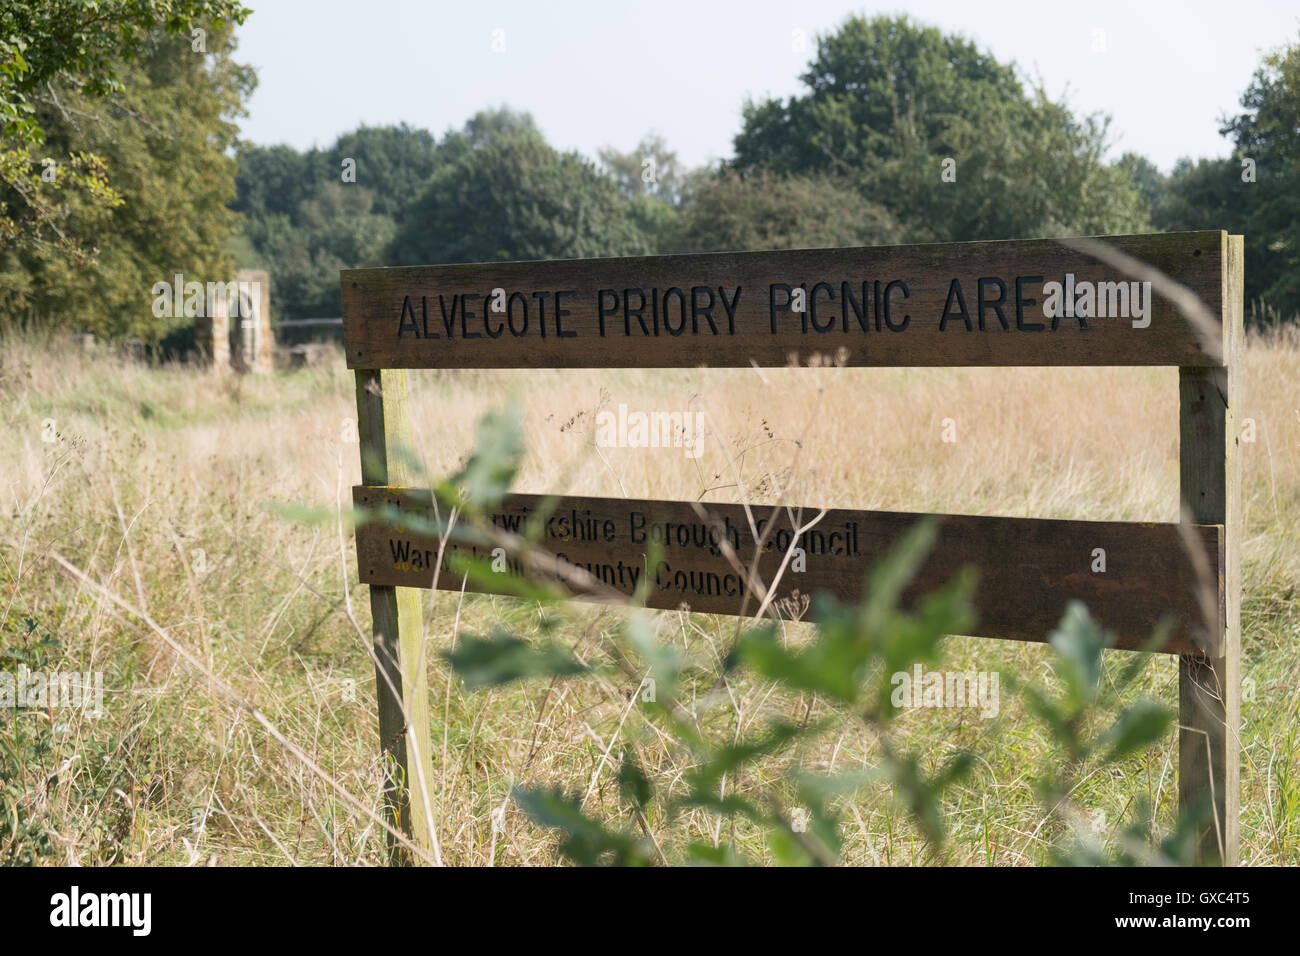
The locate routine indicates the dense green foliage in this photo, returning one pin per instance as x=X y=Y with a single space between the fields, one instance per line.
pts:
x=1269 y=132
x=901 y=134
x=512 y=196
x=767 y=211
x=88 y=43
x=858 y=158
x=1255 y=192
x=305 y=221
x=115 y=172
x=889 y=101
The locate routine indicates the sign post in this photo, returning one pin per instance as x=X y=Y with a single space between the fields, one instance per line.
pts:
x=401 y=673
x=1034 y=302
x=1209 y=685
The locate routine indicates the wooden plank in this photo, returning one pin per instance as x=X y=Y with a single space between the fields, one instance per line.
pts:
x=401 y=674
x=882 y=306
x=1209 y=688
x=1029 y=568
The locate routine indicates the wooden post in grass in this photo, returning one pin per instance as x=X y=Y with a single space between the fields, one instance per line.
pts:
x=401 y=674
x=1209 y=689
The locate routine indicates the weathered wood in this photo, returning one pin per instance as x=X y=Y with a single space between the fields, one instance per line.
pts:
x=401 y=675
x=1029 y=568
x=964 y=304
x=734 y=309
x=1209 y=688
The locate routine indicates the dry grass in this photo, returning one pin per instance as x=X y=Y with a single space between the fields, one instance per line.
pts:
x=159 y=485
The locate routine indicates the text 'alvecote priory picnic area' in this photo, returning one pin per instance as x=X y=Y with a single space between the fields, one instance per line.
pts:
x=919 y=484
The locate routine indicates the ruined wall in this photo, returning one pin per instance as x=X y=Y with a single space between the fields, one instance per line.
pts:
x=240 y=342
x=212 y=336
x=258 y=352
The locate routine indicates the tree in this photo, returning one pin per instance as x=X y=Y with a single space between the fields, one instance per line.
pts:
x=1147 y=179
x=652 y=169
x=90 y=43
x=1267 y=134
x=304 y=219
x=161 y=149
x=272 y=180
x=872 y=85
x=336 y=228
x=394 y=162
x=487 y=125
x=658 y=188
x=1254 y=192
x=764 y=211
x=57 y=52
x=943 y=136
x=1204 y=194
x=510 y=195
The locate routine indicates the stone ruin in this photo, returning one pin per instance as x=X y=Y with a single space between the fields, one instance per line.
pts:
x=241 y=342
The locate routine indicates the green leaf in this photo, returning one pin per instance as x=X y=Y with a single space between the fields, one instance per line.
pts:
x=891 y=575
x=306 y=514
x=664 y=660
x=1078 y=643
x=705 y=778
x=586 y=841
x=833 y=664
x=922 y=795
x=728 y=806
x=480 y=573
x=820 y=789
x=1138 y=727
x=722 y=855
x=787 y=850
x=910 y=638
x=503 y=658
x=633 y=785
x=498 y=449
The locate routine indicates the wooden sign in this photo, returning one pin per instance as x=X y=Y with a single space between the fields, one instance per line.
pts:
x=1129 y=575
x=1173 y=300
x=1035 y=302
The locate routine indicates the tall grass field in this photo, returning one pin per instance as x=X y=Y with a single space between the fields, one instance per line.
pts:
x=150 y=534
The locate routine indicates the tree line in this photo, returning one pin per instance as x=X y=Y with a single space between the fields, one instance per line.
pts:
x=901 y=133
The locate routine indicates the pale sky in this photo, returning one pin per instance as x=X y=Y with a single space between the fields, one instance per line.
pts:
x=604 y=72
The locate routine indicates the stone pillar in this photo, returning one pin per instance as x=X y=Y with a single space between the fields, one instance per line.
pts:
x=255 y=300
x=212 y=336
x=238 y=333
